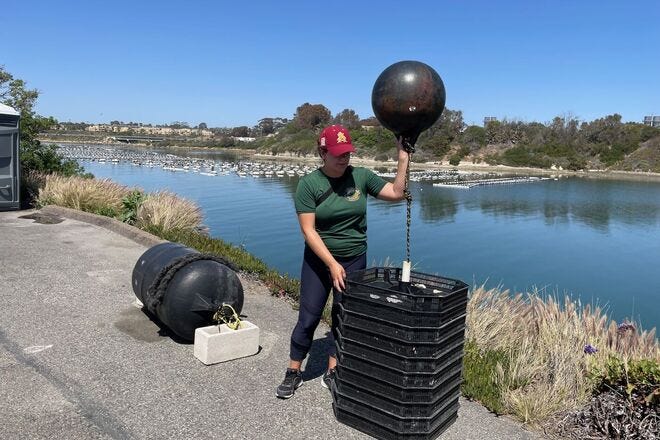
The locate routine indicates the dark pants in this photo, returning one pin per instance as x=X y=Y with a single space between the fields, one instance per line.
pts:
x=315 y=285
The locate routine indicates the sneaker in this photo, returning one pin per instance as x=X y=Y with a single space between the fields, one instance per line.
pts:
x=292 y=381
x=328 y=378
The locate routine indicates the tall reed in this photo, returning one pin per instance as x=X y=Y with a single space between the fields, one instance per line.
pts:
x=552 y=348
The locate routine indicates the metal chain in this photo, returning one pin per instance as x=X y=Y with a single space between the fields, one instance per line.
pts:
x=408 y=197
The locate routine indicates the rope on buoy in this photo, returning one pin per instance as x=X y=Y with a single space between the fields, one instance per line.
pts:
x=156 y=291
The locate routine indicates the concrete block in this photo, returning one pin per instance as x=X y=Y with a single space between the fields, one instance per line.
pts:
x=215 y=344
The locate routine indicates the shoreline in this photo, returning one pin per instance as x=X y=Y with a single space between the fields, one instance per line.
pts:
x=418 y=166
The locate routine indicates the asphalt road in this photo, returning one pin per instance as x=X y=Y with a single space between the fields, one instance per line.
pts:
x=79 y=361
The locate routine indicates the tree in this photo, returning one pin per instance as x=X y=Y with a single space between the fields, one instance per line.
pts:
x=504 y=132
x=371 y=121
x=348 y=118
x=443 y=133
x=241 y=131
x=266 y=126
x=202 y=126
x=34 y=156
x=474 y=137
x=493 y=132
x=311 y=116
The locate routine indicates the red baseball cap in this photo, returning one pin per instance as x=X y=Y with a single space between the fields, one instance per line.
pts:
x=336 y=140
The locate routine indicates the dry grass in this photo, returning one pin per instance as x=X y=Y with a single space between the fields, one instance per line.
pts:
x=164 y=211
x=159 y=212
x=91 y=195
x=545 y=339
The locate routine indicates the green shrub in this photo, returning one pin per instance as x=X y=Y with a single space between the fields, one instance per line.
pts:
x=130 y=205
x=479 y=378
x=630 y=374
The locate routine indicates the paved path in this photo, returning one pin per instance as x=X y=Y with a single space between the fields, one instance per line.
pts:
x=79 y=361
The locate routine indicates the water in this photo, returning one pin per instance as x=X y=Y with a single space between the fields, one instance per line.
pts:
x=597 y=240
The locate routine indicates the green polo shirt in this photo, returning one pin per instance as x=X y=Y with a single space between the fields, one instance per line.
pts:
x=341 y=219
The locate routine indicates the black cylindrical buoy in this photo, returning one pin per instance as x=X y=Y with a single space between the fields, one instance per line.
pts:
x=184 y=288
x=407 y=98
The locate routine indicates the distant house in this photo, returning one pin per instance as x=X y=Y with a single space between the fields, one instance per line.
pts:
x=146 y=130
x=653 y=121
x=488 y=119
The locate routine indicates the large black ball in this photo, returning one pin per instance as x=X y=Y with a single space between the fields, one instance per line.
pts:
x=408 y=97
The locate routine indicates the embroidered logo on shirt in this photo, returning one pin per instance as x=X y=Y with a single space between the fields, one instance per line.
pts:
x=352 y=195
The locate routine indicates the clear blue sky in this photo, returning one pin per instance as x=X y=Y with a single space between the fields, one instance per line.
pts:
x=230 y=63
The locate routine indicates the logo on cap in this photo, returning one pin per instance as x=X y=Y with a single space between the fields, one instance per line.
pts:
x=341 y=137
x=323 y=141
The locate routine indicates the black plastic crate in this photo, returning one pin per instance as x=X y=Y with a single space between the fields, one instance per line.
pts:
x=391 y=421
x=401 y=394
x=449 y=391
x=453 y=347
x=398 y=346
x=370 y=307
x=376 y=324
x=396 y=376
x=425 y=292
x=381 y=432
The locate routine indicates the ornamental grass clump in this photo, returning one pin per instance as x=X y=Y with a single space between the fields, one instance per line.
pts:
x=102 y=197
x=163 y=211
x=537 y=356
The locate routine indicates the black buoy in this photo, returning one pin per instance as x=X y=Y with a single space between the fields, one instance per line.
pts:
x=184 y=288
x=407 y=98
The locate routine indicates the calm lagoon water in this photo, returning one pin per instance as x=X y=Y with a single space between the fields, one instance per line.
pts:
x=597 y=240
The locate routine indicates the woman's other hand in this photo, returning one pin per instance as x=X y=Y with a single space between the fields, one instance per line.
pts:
x=338 y=275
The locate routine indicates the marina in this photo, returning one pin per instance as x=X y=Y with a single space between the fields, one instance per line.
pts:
x=104 y=154
x=175 y=163
x=467 y=184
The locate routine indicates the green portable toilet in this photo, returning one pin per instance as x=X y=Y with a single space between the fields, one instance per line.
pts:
x=9 y=163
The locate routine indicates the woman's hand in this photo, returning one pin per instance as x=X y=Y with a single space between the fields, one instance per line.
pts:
x=338 y=275
x=395 y=191
x=403 y=149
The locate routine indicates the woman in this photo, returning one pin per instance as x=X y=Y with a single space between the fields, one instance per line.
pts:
x=331 y=203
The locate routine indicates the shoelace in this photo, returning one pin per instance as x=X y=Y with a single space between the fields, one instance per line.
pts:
x=290 y=376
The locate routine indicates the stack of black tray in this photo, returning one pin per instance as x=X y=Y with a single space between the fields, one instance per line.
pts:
x=400 y=353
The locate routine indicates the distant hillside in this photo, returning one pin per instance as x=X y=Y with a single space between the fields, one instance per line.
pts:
x=605 y=143
x=645 y=158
